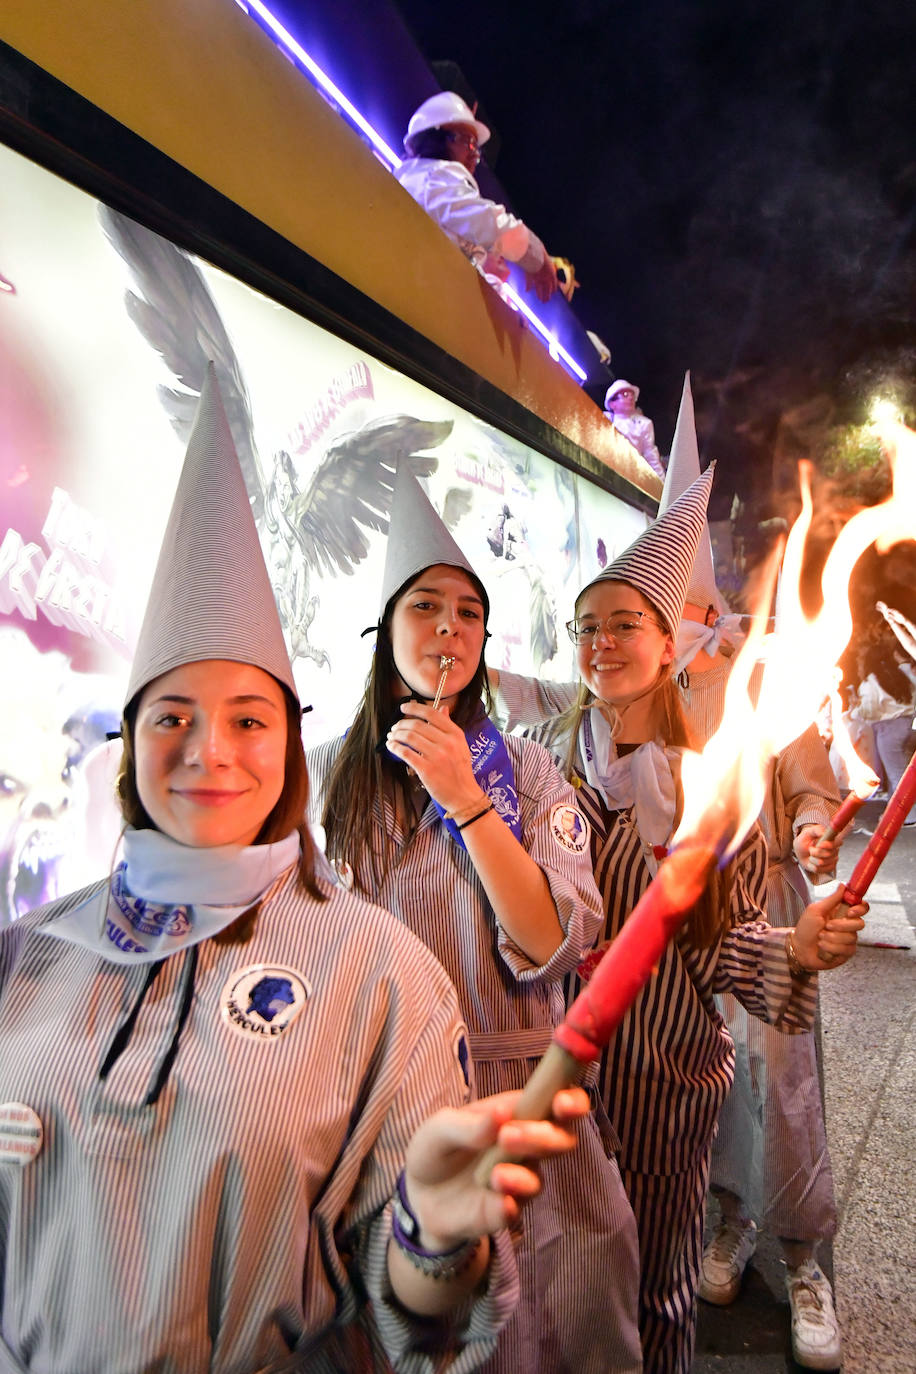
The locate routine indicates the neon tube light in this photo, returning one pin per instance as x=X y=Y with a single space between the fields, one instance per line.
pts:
x=295 y=50
x=554 y=347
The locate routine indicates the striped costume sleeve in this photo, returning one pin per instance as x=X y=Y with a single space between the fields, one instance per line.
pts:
x=806 y=781
x=569 y=874
x=523 y=700
x=752 y=963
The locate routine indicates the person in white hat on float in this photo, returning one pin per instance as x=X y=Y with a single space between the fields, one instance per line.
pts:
x=624 y=414
x=668 y=1069
x=443 y=143
x=218 y=1068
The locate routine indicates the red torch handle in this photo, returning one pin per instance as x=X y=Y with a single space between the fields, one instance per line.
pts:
x=624 y=967
x=848 y=809
x=631 y=959
x=886 y=831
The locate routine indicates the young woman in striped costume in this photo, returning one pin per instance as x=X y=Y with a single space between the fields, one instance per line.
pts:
x=215 y=1065
x=666 y=1072
x=475 y=842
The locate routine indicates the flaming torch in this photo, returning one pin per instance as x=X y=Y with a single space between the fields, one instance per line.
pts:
x=886 y=831
x=727 y=792
x=723 y=786
x=862 y=780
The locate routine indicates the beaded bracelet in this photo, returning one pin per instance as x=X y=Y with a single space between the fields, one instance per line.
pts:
x=485 y=812
x=405 y=1228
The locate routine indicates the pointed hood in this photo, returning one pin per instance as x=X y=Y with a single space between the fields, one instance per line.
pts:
x=683 y=470
x=659 y=561
x=418 y=539
x=211 y=595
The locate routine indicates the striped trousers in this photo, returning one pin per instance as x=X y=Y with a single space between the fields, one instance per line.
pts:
x=578 y=1269
x=670 y=1214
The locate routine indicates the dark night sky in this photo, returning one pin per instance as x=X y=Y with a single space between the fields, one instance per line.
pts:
x=736 y=184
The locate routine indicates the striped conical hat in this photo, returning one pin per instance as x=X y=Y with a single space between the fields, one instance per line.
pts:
x=418 y=539
x=659 y=561
x=211 y=596
x=683 y=470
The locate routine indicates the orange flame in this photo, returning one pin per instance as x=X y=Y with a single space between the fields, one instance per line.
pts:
x=862 y=779
x=723 y=786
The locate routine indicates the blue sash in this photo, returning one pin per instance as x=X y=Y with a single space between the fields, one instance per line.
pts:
x=494 y=773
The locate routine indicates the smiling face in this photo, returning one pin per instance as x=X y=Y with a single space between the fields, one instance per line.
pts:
x=440 y=614
x=210 y=745
x=620 y=670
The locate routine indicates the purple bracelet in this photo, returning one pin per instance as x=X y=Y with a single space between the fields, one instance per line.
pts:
x=405 y=1228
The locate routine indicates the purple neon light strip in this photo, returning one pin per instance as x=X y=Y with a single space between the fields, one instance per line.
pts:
x=554 y=347
x=296 y=50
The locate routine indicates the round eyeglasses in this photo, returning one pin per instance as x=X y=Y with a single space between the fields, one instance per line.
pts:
x=620 y=626
x=458 y=136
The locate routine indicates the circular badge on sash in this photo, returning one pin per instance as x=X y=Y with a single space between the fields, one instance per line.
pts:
x=569 y=828
x=262 y=1001
x=21 y=1134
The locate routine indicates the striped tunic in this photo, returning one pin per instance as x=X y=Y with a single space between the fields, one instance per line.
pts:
x=578 y=1261
x=671 y=1060
x=771 y=1149
x=243 y=1215
x=668 y=1068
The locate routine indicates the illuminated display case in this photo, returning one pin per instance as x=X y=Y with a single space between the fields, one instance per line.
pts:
x=121 y=275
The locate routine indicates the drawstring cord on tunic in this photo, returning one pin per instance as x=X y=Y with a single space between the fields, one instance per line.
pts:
x=125 y=1030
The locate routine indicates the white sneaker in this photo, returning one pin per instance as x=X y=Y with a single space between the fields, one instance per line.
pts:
x=724 y=1261
x=816 y=1339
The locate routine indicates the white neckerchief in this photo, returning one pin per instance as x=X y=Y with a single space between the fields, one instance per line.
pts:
x=643 y=779
x=165 y=896
x=694 y=638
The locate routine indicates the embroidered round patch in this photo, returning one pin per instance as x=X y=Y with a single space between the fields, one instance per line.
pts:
x=21 y=1134
x=263 y=1000
x=463 y=1055
x=569 y=828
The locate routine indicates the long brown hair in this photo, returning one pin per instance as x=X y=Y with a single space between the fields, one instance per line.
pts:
x=287 y=815
x=709 y=919
x=365 y=771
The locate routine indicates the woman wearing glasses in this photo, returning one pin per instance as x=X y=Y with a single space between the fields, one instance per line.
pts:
x=443 y=143
x=666 y=1072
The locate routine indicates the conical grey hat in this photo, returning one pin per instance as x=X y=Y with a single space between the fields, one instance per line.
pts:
x=659 y=561
x=683 y=470
x=418 y=539
x=211 y=596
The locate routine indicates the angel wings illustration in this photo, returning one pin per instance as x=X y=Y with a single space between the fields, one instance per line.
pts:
x=320 y=526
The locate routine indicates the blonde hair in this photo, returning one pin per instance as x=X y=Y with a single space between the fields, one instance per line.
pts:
x=710 y=918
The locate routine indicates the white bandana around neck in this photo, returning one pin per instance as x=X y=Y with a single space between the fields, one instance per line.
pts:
x=165 y=896
x=692 y=637
x=643 y=779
